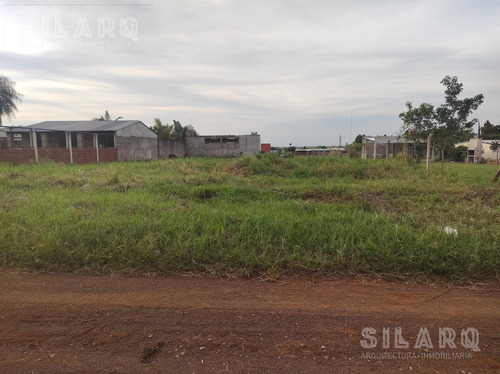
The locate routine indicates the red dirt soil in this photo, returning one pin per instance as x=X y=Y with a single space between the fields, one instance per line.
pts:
x=100 y=324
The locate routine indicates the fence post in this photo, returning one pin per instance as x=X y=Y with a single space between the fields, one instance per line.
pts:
x=428 y=152
x=96 y=144
x=497 y=176
x=35 y=143
x=70 y=146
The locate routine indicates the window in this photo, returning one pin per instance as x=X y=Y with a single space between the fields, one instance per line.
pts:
x=106 y=140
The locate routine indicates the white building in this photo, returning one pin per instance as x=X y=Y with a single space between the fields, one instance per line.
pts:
x=478 y=149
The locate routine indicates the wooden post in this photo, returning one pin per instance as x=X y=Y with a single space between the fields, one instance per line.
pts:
x=375 y=148
x=428 y=152
x=497 y=176
x=35 y=143
x=96 y=144
x=70 y=146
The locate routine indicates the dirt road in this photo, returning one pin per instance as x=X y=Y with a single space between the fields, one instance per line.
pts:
x=103 y=324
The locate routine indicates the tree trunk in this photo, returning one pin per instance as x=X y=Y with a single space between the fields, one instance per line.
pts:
x=442 y=158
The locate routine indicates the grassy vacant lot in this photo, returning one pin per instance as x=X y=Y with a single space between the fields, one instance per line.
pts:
x=252 y=215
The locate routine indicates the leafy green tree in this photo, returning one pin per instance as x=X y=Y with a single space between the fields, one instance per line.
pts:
x=449 y=123
x=173 y=132
x=161 y=130
x=418 y=123
x=178 y=131
x=8 y=98
x=459 y=154
x=354 y=149
x=495 y=147
x=359 y=139
x=490 y=131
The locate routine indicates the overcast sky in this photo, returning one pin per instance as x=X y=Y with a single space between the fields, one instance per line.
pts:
x=295 y=71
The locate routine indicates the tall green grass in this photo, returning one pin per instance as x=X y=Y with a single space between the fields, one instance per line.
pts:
x=252 y=215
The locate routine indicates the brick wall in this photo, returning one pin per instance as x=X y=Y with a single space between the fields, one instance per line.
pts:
x=84 y=155
x=17 y=156
x=54 y=154
x=80 y=155
x=108 y=154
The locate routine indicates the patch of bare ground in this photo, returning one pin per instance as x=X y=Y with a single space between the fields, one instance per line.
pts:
x=100 y=324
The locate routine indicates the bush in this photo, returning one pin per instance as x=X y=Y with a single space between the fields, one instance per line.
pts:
x=458 y=154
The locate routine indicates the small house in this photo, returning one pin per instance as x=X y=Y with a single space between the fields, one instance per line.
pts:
x=386 y=146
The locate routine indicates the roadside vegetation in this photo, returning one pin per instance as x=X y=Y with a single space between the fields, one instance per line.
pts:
x=259 y=215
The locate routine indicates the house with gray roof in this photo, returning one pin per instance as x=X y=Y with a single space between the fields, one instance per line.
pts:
x=79 y=142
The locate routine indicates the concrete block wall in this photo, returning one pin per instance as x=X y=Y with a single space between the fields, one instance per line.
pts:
x=168 y=147
x=249 y=144
x=138 y=129
x=246 y=145
x=136 y=149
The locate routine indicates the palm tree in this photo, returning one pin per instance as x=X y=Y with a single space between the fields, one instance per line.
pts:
x=105 y=117
x=8 y=98
x=495 y=147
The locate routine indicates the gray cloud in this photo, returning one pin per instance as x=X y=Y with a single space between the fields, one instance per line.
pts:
x=294 y=71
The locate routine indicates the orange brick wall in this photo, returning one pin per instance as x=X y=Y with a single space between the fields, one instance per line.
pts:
x=80 y=155
x=17 y=156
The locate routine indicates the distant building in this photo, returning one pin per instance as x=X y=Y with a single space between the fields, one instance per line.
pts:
x=222 y=145
x=478 y=149
x=265 y=147
x=95 y=141
x=312 y=152
x=79 y=142
x=386 y=146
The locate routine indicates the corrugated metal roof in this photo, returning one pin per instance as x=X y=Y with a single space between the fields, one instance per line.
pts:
x=14 y=129
x=82 y=126
x=388 y=139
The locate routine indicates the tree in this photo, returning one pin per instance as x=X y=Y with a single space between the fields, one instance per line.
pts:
x=459 y=153
x=418 y=124
x=178 y=131
x=359 y=139
x=8 y=98
x=495 y=147
x=105 y=117
x=490 y=131
x=354 y=149
x=449 y=123
x=165 y=131
x=161 y=130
